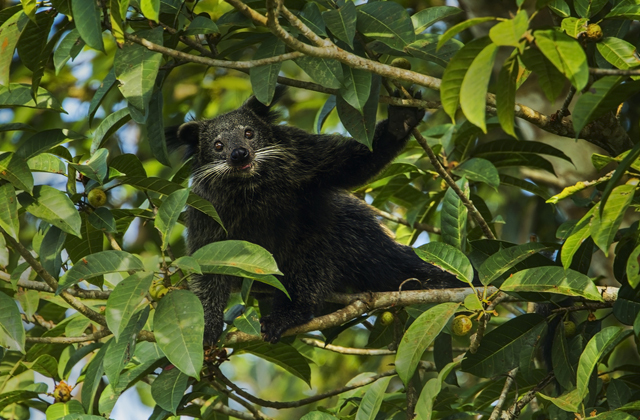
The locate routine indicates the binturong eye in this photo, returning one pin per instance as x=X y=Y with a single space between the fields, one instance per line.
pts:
x=218 y=146
x=248 y=133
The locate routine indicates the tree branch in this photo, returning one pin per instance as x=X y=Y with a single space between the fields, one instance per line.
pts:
x=511 y=378
x=44 y=287
x=346 y=350
x=53 y=283
x=514 y=411
x=70 y=340
x=400 y=220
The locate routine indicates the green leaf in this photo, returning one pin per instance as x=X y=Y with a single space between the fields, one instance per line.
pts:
x=551 y=80
x=605 y=224
x=501 y=347
x=473 y=91
x=121 y=351
x=563 y=368
x=33 y=40
x=136 y=68
x=264 y=78
x=179 y=330
x=356 y=87
x=53 y=206
x=633 y=268
x=361 y=125
x=86 y=15
x=324 y=71
x=424 y=406
x=168 y=214
x=51 y=249
x=164 y=187
x=419 y=336
x=599 y=346
x=93 y=377
x=478 y=169
x=573 y=26
x=151 y=10
x=455 y=72
x=507 y=147
x=237 y=258
x=506 y=94
x=552 y=279
x=10 y=32
x=47 y=162
x=108 y=126
x=456 y=29
x=387 y=22
x=311 y=16
x=45 y=364
x=102 y=219
x=25 y=393
x=628 y=161
x=425 y=48
x=15 y=170
x=104 y=88
x=525 y=185
x=95 y=167
x=202 y=25
x=427 y=17
x=569 y=401
x=89 y=243
x=12 y=335
x=188 y=264
x=9 y=210
x=43 y=141
x=125 y=299
x=168 y=388
x=155 y=127
x=454 y=217
x=618 y=52
x=502 y=261
x=342 y=22
x=603 y=96
x=372 y=400
x=249 y=322
x=624 y=11
x=98 y=264
x=509 y=32
x=69 y=48
x=60 y=410
x=318 y=415
x=283 y=355
x=566 y=54
x=589 y=8
x=18 y=94
x=448 y=258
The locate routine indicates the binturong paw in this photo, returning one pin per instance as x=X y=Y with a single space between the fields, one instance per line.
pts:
x=403 y=119
x=271 y=330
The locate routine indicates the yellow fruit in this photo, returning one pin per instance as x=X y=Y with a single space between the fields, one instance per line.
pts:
x=401 y=63
x=594 y=32
x=158 y=290
x=97 y=197
x=569 y=329
x=461 y=325
x=62 y=392
x=386 y=318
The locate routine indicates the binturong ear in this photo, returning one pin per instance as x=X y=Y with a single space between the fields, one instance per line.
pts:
x=262 y=111
x=187 y=134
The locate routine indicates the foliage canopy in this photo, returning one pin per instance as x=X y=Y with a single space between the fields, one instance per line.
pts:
x=93 y=288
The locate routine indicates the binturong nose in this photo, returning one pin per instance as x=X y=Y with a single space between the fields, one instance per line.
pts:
x=239 y=155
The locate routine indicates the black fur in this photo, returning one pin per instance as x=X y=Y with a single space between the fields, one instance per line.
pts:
x=287 y=192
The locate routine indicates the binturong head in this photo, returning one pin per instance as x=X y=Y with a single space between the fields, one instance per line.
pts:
x=230 y=145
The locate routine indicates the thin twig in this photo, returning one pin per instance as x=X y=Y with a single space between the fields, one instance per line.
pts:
x=53 y=283
x=305 y=401
x=70 y=340
x=246 y=404
x=514 y=411
x=511 y=377
x=346 y=350
x=44 y=287
x=416 y=225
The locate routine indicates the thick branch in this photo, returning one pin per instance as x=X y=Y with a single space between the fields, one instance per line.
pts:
x=511 y=378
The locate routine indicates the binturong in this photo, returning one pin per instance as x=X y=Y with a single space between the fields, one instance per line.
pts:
x=288 y=191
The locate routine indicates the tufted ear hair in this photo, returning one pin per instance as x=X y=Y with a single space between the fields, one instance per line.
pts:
x=187 y=134
x=264 y=112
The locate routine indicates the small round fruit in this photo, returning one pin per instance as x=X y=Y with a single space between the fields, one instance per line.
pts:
x=386 y=318
x=401 y=63
x=569 y=329
x=62 y=392
x=97 y=197
x=158 y=291
x=594 y=32
x=461 y=325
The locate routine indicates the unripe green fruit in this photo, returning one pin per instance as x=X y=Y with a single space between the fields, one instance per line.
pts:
x=461 y=325
x=97 y=197
x=158 y=291
x=401 y=63
x=594 y=32
x=386 y=318
x=569 y=328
